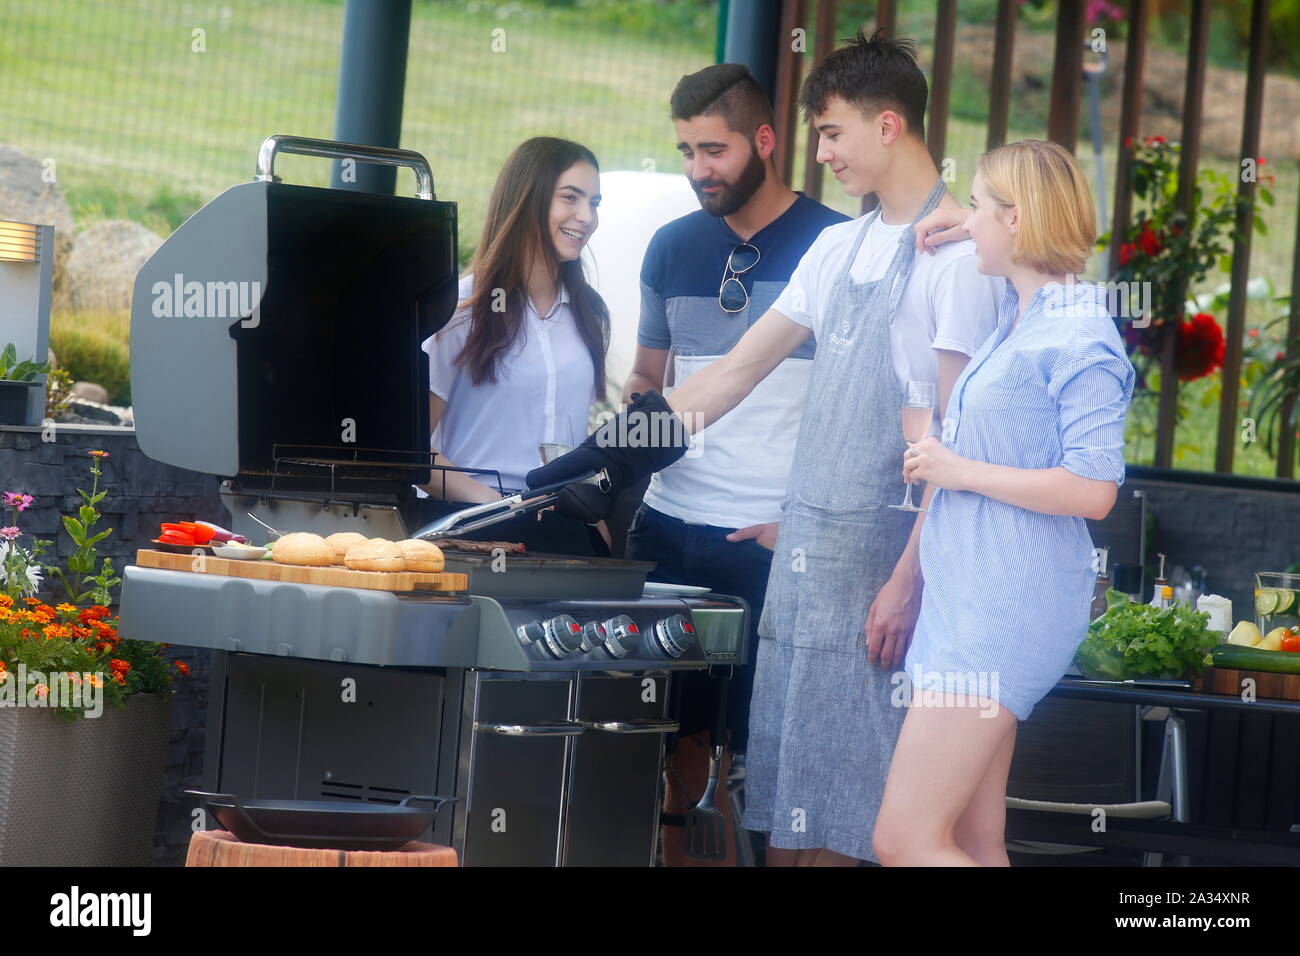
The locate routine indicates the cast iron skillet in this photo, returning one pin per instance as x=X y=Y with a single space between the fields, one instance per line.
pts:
x=322 y=824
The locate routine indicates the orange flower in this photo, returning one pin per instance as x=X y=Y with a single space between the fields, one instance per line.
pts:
x=41 y=690
x=81 y=633
x=99 y=454
x=6 y=600
x=31 y=600
x=56 y=630
x=3 y=669
x=183 y=668
x=75 y=678
x=95 y=680
x=6 y=614
x=66 y=608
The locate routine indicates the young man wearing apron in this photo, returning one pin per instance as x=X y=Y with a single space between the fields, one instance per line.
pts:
x=827 y=710
x=705 y=279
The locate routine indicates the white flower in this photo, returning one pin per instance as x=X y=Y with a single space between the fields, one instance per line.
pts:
x=33 y=583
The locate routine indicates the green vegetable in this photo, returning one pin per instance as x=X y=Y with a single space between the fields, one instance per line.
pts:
x=1138 y=640
x=1237 y=657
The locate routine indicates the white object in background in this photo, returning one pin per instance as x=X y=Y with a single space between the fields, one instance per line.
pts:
x=1219 y=609
x=633 y=206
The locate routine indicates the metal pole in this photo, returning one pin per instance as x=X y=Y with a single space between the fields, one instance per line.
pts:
x=752 y=40
x=372 y=78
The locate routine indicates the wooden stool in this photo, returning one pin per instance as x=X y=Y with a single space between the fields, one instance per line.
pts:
x=220 y=848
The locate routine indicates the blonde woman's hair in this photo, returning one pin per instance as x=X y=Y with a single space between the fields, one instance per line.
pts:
x=1058 y=224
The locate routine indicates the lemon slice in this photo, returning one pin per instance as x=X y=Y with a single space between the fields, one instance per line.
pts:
x=1285 y=599
x=1267 y=601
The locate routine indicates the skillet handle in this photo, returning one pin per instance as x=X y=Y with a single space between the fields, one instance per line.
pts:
x=436 y=801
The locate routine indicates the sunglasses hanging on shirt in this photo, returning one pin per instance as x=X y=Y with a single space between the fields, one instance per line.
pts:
x=732 y=295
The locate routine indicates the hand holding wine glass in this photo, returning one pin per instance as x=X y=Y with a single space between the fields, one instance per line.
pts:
x=917 y=414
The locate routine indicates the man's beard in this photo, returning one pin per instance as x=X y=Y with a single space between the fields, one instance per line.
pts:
x=731 y=197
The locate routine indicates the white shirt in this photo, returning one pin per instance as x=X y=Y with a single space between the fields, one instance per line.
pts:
x=544 y=390
x=946 y=304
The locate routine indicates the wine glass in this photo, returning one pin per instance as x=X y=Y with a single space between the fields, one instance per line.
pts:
x=917 y=413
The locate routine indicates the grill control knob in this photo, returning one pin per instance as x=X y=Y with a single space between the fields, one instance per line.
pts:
x=531 y=632
x=622 y=636
x=562 y=637
x=674 y=635
x=593 y=636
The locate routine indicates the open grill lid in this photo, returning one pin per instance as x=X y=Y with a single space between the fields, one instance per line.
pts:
x=281 y=324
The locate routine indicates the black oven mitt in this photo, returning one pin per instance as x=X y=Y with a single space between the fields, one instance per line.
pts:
x=645 y=437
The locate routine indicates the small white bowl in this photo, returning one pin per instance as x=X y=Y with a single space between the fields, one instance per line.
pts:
x=238 y=554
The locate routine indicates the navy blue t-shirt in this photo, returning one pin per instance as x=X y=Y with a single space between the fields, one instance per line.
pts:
x=683 y=269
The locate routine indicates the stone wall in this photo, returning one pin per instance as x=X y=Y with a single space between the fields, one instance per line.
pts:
x=142 y=493
x=1231 y=526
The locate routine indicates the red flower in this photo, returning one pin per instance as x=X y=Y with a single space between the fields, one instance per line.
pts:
x=1128 y=142
x=183 y=668
x=1149 y=242
x=1200 y=347
x=1126 y=252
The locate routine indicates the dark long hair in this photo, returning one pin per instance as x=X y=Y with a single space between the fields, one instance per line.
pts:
x=515 y=229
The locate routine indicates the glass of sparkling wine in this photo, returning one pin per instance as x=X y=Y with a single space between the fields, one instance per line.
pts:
x=918 y=412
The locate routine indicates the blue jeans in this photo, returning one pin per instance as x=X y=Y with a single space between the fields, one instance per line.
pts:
x=701 y=555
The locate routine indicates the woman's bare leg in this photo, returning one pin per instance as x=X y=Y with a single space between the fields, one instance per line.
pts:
x=981 y=829
x=942 y=757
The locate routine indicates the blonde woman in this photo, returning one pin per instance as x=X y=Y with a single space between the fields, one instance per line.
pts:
x=1032 y=445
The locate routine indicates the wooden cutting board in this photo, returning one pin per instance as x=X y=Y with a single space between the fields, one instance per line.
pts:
x=1223 y=680
x=340 y=577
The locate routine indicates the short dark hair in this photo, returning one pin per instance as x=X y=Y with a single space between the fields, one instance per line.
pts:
x=728 y=90
x=873 y=74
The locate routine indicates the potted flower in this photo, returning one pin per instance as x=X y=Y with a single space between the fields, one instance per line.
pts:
x=84 y=712
x=16 y=381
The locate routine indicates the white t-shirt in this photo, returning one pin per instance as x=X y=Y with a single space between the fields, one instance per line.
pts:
x=544 y=390
x=946 y=304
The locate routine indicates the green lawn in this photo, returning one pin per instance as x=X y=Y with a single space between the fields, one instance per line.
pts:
x=140 y=126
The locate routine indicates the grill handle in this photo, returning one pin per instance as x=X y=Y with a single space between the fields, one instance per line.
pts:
x=305 y=146
x=543 y=728
x=634 y=726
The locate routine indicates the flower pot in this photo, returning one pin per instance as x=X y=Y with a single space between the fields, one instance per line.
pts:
x=82 y=793
x=13 y=401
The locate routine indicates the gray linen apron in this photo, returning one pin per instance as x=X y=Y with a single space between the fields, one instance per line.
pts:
x=823 y=723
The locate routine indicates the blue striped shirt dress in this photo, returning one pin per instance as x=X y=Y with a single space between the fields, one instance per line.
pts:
x=1007 y=590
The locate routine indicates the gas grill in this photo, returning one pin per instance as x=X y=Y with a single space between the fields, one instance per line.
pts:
x=537 y=696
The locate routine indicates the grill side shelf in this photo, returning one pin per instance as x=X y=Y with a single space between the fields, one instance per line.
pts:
x=287 y=619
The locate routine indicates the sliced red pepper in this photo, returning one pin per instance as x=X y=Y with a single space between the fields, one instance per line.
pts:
x=176 y=537
x=202 y=534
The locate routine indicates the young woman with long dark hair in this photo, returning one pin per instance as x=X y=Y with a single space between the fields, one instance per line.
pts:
x=523 y=358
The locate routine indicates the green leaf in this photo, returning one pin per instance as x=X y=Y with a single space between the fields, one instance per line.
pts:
x=88 y=516
x=95 y=539
x=74 y=528
x=1266 y=195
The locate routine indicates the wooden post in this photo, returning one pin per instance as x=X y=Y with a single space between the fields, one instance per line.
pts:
x=1188 y=160
x=1236 y=330
x=1067 y=74
x=822 y=45
x=886 y=17
x=945 y=29
x=1004 y=45
x=1286 y=434
x=1130 y=124
x=788 y=64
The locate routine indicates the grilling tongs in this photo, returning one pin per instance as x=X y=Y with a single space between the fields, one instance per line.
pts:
x=494 y=512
